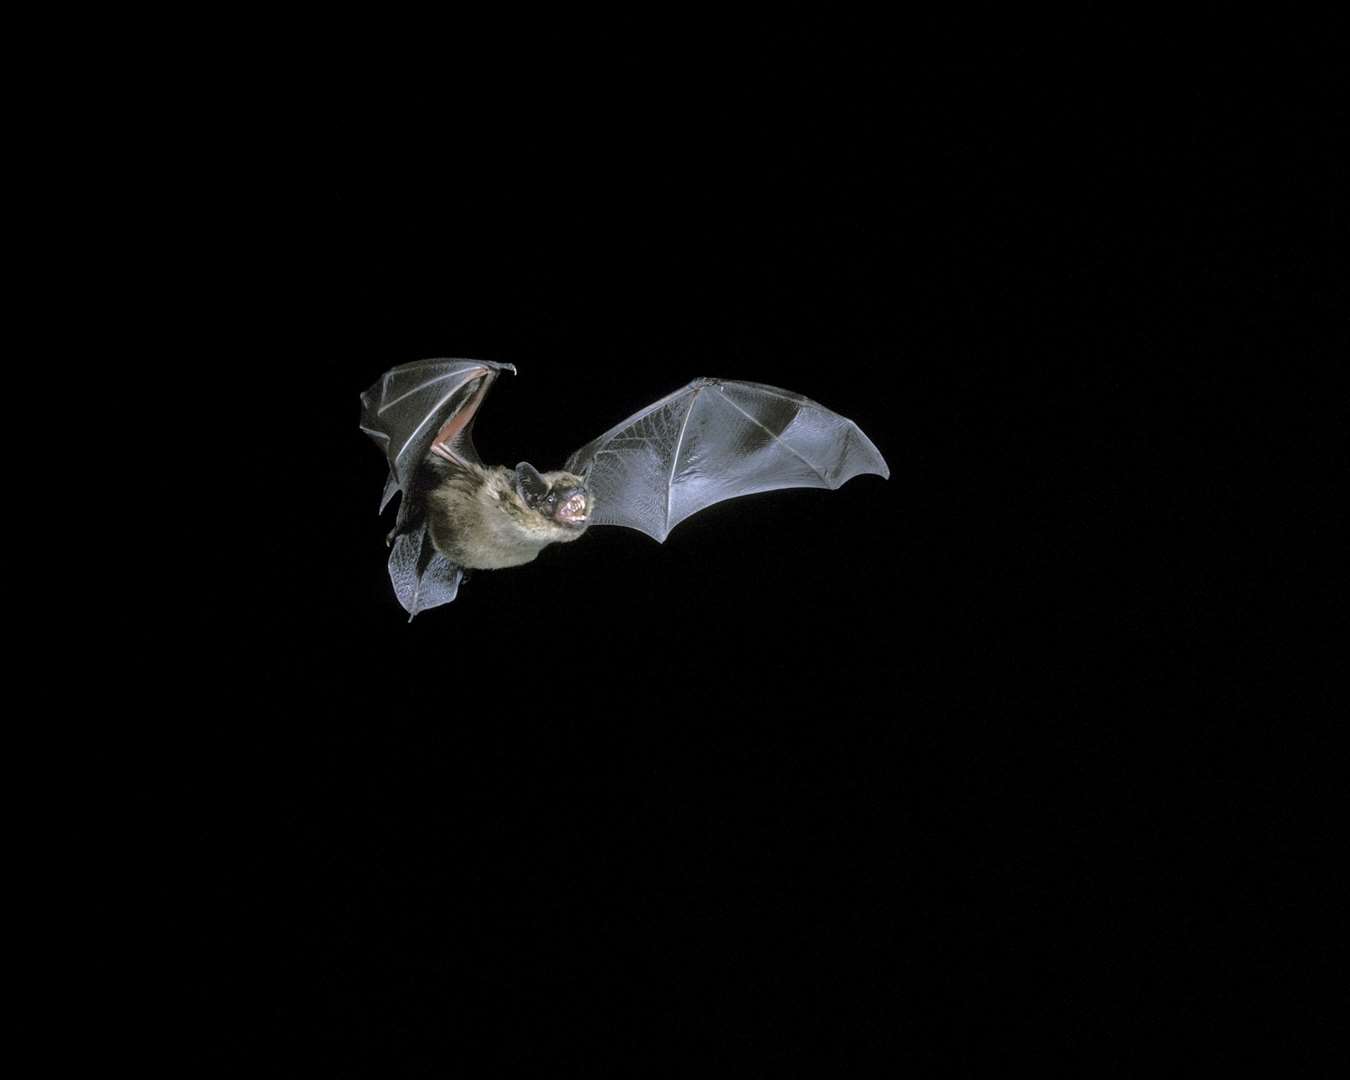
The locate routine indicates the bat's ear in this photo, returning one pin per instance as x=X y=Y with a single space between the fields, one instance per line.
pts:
x=530 y=486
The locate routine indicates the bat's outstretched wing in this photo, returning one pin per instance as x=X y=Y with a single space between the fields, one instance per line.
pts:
x=426 y=407
x=713 y=440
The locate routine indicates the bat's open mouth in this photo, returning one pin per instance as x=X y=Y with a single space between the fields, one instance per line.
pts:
x=573 y=511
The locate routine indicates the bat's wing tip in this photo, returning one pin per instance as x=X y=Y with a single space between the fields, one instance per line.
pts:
x=872 y=462
x=880 y=468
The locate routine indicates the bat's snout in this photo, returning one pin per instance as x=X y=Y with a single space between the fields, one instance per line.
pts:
x=574 y=509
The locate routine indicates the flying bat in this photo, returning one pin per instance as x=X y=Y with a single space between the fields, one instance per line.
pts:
x=714 y=439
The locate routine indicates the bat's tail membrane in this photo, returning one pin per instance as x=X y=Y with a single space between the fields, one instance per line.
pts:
x=423 y=578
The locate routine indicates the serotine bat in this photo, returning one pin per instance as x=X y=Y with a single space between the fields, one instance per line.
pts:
x=714 y=439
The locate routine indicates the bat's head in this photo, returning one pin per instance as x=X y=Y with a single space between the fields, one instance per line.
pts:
x=560 y=496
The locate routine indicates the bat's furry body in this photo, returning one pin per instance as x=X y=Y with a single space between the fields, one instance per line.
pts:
x=478 y=519
x=712 y=440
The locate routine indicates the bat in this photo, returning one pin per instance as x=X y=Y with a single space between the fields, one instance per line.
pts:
x=714 y=439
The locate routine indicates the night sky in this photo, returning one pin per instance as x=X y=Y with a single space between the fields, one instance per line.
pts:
x=907 y=768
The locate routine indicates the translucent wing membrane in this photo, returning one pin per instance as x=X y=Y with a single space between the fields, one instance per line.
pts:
x=717 y=439
x=407 y=408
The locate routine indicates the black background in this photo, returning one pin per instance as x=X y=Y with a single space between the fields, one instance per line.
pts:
x=934 y=767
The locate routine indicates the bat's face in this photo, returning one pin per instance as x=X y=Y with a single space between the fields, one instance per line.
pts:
x=559 y=496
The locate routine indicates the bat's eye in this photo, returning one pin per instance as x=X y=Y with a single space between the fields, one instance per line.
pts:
x=551 y=499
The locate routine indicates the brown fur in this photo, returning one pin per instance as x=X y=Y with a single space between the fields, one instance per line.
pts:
x=477 y=520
